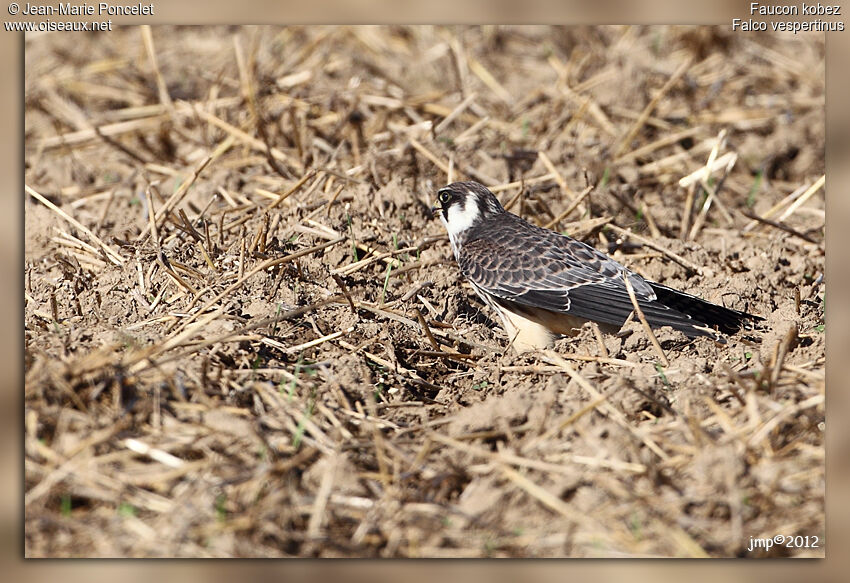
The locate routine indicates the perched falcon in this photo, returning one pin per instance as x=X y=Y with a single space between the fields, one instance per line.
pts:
x=542 y=283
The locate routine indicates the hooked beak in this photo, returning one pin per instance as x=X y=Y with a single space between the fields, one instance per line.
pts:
x=436 y=209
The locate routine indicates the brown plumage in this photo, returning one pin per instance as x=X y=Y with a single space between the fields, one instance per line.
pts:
x=542 y=283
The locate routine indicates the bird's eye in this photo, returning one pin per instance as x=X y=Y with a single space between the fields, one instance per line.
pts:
x=445 y=197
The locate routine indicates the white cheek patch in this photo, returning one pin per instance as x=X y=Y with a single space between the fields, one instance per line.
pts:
x=461 y=217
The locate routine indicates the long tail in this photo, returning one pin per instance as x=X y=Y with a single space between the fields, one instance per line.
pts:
x=704 y=314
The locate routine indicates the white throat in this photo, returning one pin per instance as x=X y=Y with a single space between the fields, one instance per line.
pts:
x=460 y=219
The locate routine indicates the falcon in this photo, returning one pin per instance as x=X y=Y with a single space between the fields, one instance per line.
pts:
x=543 y=284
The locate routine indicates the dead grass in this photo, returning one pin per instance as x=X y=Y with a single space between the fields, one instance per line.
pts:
x=245 y=337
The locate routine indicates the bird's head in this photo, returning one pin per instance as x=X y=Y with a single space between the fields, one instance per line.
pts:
x=462 y=205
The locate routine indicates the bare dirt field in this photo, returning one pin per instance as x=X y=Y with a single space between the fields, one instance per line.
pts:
x=245 y=336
